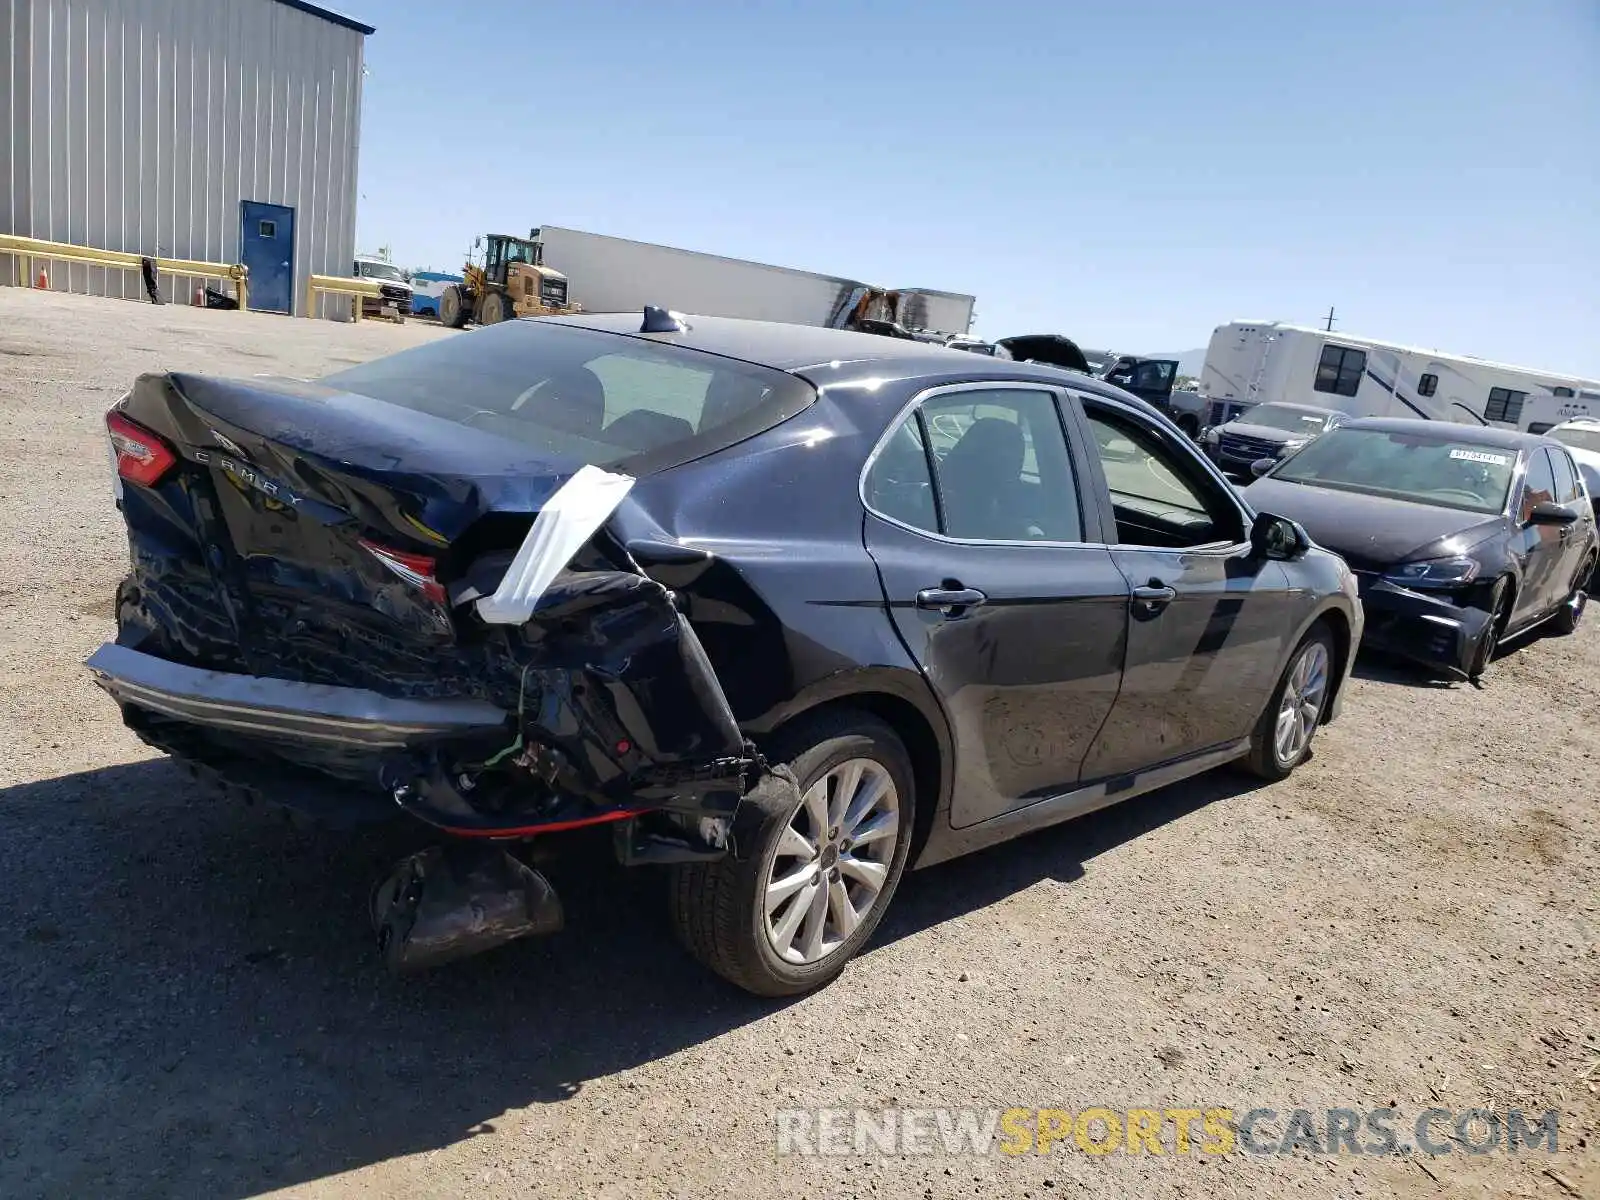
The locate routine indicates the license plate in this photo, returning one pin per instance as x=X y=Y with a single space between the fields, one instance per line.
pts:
x=389 y=310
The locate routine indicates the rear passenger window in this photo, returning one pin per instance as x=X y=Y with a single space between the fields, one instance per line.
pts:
x=1566 y=478
x=1001 y=466
x=985 y=465
x=900 y=483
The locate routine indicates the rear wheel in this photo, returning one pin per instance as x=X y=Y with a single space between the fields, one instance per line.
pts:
x=815 y=861
x=453 y=308
x=1282 y=736
x=1571 y=611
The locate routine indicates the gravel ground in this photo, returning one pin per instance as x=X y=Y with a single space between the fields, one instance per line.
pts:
x=191 y=1004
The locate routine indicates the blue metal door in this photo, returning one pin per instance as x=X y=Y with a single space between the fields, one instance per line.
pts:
x=266 y=247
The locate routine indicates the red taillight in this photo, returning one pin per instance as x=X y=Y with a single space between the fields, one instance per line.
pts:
x=142 y=457
x=415 y=569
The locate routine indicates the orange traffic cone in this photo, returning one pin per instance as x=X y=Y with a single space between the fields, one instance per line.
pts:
x=43 y=282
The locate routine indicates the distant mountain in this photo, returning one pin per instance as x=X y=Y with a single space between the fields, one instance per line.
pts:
x=1189 y=361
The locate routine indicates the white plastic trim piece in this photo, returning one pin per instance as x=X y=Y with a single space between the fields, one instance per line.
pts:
x=569 y=519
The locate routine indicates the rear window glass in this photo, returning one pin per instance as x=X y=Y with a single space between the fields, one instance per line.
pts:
x=601 y=398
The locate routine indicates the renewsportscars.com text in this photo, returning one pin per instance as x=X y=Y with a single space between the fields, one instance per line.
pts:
x=1212 y=1130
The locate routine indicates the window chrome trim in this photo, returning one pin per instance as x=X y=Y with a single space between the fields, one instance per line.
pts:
x=1054 y=391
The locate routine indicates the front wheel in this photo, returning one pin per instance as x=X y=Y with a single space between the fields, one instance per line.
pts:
x=815 y=862
x=1282 y=736
x=453 y=308
x=1499 y=609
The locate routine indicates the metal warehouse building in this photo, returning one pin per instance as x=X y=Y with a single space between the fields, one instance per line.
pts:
x=218 y=130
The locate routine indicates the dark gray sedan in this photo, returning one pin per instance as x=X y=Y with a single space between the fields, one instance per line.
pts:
x=788 y=610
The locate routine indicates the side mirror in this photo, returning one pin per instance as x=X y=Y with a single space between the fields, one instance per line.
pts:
x=1278 y=538
x=1550 y=513
x=1261 y=466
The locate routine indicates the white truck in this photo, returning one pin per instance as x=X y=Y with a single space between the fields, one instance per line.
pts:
x=611 y=274
x=1252 y=362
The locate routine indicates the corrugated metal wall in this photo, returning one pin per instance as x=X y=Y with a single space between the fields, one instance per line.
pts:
x=140 y=125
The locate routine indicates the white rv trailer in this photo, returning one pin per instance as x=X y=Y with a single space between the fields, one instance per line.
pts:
x=1251 y=362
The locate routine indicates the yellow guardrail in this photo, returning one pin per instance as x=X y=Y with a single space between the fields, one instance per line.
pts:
x=24 y=251
x=339 y=285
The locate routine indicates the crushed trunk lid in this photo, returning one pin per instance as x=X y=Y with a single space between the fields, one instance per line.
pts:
x=321 y=537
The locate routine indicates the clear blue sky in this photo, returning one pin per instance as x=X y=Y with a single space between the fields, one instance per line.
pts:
x=1130 y=173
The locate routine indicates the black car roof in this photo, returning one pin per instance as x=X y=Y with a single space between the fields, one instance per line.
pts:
x=1481 y=435
x=796 y=348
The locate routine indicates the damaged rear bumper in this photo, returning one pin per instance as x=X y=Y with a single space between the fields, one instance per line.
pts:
x=355 y=718
x=1425 y=628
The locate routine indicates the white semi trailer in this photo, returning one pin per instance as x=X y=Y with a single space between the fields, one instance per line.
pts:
x=611 y=274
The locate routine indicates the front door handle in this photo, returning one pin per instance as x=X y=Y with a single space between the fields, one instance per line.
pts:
x=950 y=600
x=1152 y=597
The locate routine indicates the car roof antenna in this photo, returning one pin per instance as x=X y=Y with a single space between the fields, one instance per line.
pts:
x=659 y=320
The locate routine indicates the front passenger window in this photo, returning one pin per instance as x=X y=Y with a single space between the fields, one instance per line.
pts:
x=1540 y=485
x=1159 y=496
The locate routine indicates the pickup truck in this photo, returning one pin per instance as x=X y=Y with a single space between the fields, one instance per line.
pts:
x=395 y=300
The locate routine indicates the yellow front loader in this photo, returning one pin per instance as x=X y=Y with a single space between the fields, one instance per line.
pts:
x=512 y=281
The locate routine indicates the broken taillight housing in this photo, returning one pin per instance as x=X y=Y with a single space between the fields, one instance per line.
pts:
x=415 y=569
x=142 y=457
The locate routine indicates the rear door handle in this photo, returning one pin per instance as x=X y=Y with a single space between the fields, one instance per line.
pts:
x=949 y=600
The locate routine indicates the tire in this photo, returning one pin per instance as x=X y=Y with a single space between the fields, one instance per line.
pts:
x=1570 y=613
x=1499 y=608
x=1310 y=672
x=494 y=310
x=719 y=911
x=453 y=308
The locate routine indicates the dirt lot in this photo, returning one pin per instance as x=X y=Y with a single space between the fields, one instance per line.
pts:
x=190 y=1004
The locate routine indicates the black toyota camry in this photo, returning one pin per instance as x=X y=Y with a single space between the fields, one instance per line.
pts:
x=787 y=609
x=1461 y=535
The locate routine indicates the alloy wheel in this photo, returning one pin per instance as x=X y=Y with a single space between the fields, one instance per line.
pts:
x=832 y=861
x=1301 y=707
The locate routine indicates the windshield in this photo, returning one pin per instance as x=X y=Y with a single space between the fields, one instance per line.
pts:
x=599 y=398
x=1427 y=468
x=1577 y=437
x=370 y=270
x=1276 y=416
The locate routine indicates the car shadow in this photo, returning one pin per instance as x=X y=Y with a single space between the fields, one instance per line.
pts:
x=1061 y=853
x=195 y=1004
x=1377 y=667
